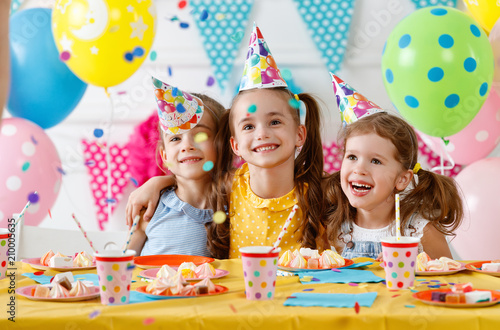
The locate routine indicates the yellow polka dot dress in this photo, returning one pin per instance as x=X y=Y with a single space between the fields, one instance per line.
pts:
x=257 y=221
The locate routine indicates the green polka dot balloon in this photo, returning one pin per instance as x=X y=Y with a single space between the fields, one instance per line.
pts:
x=437 y=68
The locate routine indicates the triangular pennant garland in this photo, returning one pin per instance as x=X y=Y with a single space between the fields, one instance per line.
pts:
x=328 y=22
x=221 y=24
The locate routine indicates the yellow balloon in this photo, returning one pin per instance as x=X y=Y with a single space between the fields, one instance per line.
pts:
x=485 y=12
x=104 y=41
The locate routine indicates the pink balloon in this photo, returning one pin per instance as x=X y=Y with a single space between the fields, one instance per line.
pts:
x=478 y=139
x=29 y=163
x=477 y=237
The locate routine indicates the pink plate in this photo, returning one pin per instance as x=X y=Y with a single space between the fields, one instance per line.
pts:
x=348 y=262
x=35 y=263
x=151 y=273
x=25 y=291
x=218 y=290
x=439 y=272
x=425 y=297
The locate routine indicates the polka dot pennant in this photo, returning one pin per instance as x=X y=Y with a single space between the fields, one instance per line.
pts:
x=225 y=19
x=328 y=23
x=437 y=67
x=426 y=3
x=96 y=155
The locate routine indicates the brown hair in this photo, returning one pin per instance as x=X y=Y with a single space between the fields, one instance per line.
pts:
x=435 y=197
x=308 y=172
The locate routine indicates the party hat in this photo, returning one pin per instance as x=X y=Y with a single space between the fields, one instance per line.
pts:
x=352 y=105
x=260 y=68
x=178 y=111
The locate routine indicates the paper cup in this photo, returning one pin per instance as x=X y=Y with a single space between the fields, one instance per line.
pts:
x=4 y=250
x=259 y=269
x=400 y=258
x=114 y=270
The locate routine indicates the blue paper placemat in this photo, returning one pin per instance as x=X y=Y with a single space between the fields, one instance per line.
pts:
x=44 y=279
x=339 y=276
x=331 y=299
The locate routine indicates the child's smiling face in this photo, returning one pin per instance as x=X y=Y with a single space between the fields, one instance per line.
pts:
x=268 y=136
x=185 y=154
x=371 y=172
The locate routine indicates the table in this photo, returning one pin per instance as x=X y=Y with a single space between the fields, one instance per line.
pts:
x=232 y=311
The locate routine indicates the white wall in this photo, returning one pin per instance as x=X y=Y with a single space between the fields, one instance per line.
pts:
x=182 y=50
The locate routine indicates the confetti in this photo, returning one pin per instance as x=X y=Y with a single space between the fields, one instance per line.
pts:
x=219 y=217
x=236 y=37
x=412 y=290
x=252 y=108
x=314 y=279
x=130 y=267
x=290 y=297
x=396 y=295
x=294 y=103
x=94 y=314
x=89 y=163
x=98 y=132
x=203 y=15
x=435 y=281
x=362 y=285
x=353 y=284
x=50 y=214
x=60 y=170
x=307 y=278
x=220 y=16
x=110 y=200
x=182 y=4
x=184 y=25
x=34 y=140
x=153 y=55
x=38 y=273
x=134 y=181
x=232 y=308
x=434 y=286
x=169 y=71
x=336 y=270
x=65 y=55
x=33 y=197
x=25 y=166
x=121 y=92
x=148 y=320
x=200 y=137
x=410 y=306
x=210 y=81
x=208 y=166
x=420 y=279
x=308 y=290
x=356 y=307
x=286 y=74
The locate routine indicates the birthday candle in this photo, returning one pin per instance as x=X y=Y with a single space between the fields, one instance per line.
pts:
x=398 y=220
x=285 y=226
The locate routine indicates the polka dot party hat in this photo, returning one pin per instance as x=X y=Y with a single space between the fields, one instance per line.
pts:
x=260 y=69
x=352 y=105
x=178 y=111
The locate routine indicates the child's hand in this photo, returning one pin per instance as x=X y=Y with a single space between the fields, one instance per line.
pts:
x=380 y=257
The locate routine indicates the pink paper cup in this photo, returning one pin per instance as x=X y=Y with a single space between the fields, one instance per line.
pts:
x=4 y=251
x=259 y=269
x=114 y=270
x=400 y=258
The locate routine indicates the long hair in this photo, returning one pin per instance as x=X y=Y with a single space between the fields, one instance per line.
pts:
x=308 y=173
x=435 y=197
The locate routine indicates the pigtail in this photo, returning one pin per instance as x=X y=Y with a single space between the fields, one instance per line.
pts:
x=218 y=234
x=437 y=198
x=308 y=175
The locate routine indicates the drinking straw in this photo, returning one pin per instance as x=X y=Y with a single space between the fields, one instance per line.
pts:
x=131 y=232
x=398 y=220
x=285 y=226
x=83 y=232
x=22 y=213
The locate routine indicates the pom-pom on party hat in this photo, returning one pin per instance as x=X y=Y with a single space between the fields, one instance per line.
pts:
x=352 y=105
x=178 y=111
x=260 y=69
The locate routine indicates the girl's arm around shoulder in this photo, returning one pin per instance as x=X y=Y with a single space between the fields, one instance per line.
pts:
x=146 y=197
x=435 y=243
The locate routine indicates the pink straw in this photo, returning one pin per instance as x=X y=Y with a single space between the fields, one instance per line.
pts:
x=83 y=232
x=285 y=226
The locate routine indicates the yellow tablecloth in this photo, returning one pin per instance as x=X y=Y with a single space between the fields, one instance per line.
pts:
x=232 y=311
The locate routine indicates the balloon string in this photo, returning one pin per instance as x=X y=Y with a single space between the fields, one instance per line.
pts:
x=108 y=156
x=441 y=167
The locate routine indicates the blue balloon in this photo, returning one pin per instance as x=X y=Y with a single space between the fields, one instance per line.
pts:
x=42 y=88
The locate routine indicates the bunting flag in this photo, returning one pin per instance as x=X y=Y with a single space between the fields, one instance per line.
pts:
x=222 y=25
x=95 y=160
x=426 y=3
x=328 y=23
